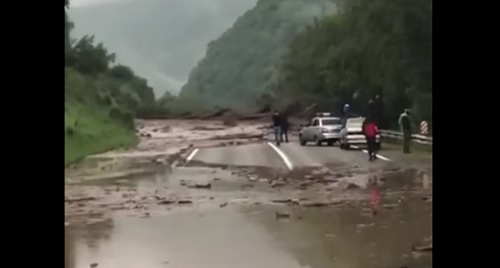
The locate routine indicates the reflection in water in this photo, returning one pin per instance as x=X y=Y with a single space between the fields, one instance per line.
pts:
x=85 y=242
x=158 y=176
x=219 y=238
x=69 y=250
x=253 y=237
x=426 y=180
x=345 y=238
x=374 y=194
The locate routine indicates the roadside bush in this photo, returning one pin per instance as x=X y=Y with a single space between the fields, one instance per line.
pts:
x=122 y=116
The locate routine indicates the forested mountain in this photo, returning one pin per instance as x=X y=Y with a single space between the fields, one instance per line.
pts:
x=366 y=47
x=369 y=47
x=240 y=65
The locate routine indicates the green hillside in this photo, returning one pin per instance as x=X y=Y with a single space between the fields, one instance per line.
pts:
x=240 y=64
x=89 y=127
x=368 y=47
x=100 y=99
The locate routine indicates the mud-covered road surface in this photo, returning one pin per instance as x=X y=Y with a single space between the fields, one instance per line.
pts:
x=202 y=194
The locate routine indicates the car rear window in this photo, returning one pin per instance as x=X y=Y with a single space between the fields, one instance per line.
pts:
x=330 y=122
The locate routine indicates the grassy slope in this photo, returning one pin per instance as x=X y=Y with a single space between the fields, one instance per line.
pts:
x=88 y=127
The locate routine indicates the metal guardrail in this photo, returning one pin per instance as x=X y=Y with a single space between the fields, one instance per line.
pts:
x=421 y=139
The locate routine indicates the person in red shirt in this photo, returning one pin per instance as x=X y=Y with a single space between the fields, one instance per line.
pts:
x=370 y=131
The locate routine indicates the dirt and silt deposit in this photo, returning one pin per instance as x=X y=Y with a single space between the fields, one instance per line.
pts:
x=153 y=206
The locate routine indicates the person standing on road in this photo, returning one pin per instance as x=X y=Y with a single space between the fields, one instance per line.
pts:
x=277 y=122
x=284 y=127
x=370 y=131
x=405 y=126
x=346 y=113
x=346 y=110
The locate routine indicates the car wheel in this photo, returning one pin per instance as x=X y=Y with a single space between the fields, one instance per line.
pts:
x=347 y=146
x=317 y=141
x=330 y=143
x=302 y=141
x=378 y=146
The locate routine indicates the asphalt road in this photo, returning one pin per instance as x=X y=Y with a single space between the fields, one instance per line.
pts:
x=288 y=155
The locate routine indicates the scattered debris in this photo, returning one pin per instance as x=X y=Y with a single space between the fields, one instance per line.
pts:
x=389 y=206
x=247 y=186
x=352 y=186
x=94 y=265
x=201 y=186
x=424 y=246
x=275 y=184
x=281 y=215
x=282 y=201
x=81 y=199
x=315 y=204
x=427 y=198
x=166 y=202
x=184 y=202
x=223 y=205
x=365 y=225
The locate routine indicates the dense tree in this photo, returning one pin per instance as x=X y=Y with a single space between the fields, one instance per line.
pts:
x=239 y=66
x=368 y=47
x=89 y=58
x=116 y=82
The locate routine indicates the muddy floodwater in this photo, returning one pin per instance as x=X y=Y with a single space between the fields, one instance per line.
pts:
x=237 y=207
x=254 y=237
x=254 y=234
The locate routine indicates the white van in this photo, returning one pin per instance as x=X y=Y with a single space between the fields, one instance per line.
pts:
x=352 y=134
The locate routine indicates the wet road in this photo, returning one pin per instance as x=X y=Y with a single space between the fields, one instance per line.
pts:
x=259 y=154
x=248 y=232
x=241 y=221
x=253 y=237
x=263 y=154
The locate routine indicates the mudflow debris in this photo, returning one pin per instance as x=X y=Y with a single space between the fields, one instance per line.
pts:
x=282 y=215
x=201 y=186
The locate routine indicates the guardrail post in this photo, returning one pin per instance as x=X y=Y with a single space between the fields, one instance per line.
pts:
x=424 y=128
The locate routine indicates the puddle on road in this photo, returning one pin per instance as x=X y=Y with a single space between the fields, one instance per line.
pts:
x=182 y=178
x=252 y=236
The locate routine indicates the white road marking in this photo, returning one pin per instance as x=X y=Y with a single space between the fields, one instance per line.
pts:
x=282 y=155
x=378 y=155
x=191 y=155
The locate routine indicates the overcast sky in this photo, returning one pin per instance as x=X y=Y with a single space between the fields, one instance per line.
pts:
x=162 y=40
x=82 y=3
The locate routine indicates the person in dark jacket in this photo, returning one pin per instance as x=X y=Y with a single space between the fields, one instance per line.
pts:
x=405 y=126
x=346 y=113
x=284 y=127
x=370 y=131
x=277 y=123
